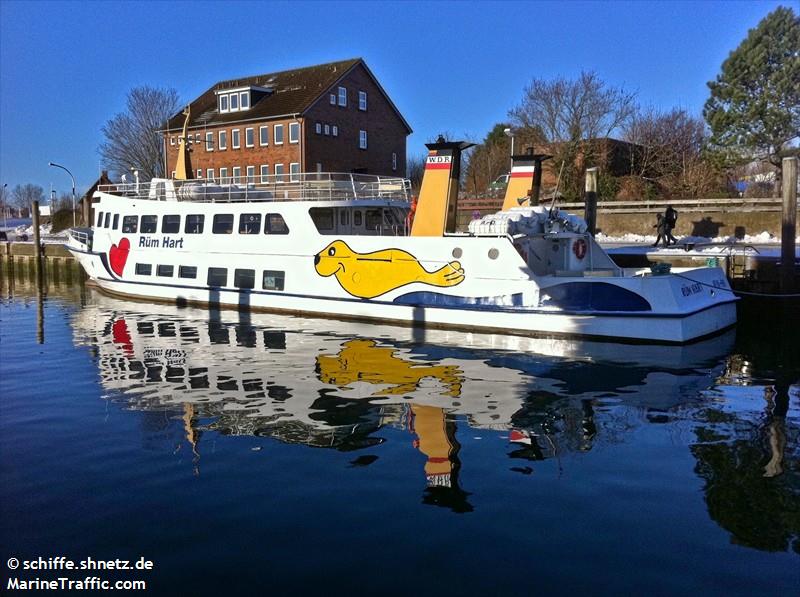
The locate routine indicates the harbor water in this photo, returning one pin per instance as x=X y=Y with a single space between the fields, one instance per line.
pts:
x=254 y=453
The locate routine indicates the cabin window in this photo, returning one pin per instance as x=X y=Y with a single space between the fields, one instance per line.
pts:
x=235 y=139
x=144 y=269
x=217 y=276
x=357 y=218
x=264 y=172
x=294 y=132
x=171 y=224
x=165 y=271
x=107 y=222
x=115 y=223
x=149 y=224
x=362 y=139
x=294 y=172
x=249 y=223
x=344 y=217
x=362 y=100
x=322 y=217
x=251 y=175
x=223 y=224
x=277 y=135
x=343 y=96
x=249 y=137
x=187 y=271
x=263 y=135
x=194 y=224
x=209 y=141
x=244 y=278
x=237 y=174
x=373 y=219
x=99 y=219
x=273 y=280
x=130 y=224
x=275 y=224
x=223 y=139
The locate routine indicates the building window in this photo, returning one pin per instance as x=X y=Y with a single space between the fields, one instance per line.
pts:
x=327 y=129
x=318 y=128
x=165 y=271
x=394 y=161
x=223 y=224
x=223 y=140
x=319 y=166
x=249 y=223
x=244 y=278
x=362 y=139
x=217 y=276
x=149 y=224
x=235 y=139
x=115 y=224
x=199 y=173
x=335 y=130
x=294 y=172
x=194 y=224
x=249 y=137
x=209 y=141
x=170 y=224
x=273 y=280
x=264 y=172
x=144 y=269
x=244 y=99
x=234 y=102
x=278 y=172
x=251 y=174
x=210 y=174
x=275 y=224
x=277 y=135
x=362 y=100
x=172 y=140
x=223 y=176
x=223 y=103
x=197 y=138
x=343 y=96
x=187 y=271
x=130 y=224
x=294 y=132
x=237 y=174
x=333 y=99
x=263 y=135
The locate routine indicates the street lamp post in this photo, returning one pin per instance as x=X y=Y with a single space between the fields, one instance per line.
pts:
x=510 y=133
x=74 y=223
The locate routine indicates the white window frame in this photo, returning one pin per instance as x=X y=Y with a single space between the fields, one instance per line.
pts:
x=275 y=130
x=210 y=174
x=327 y=129
x=294 y=172
x=244 y=98
x=209 y=141
x=223 y=104
x=263 y=138
x=172 y=140
x=223 y=140
x=264 y=173
x=394 y=161
x=223 y=174
x=236 y=139
x=318 y=128
x=333 y=99
x=251 y=174
x=237 y=175
x=199 y=173
x=197 y=137
x=294 y=126
x=319 y=166
x=343 y=96
x=362 y=101
x=252 y=142
x=362 y=139
x=335 y=130
x=234 y=96
x=278 y=170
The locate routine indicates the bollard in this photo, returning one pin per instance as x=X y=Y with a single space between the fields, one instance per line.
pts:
x=590 y=210
x=788 y=223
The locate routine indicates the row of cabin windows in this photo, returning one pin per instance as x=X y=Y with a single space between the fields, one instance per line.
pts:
x=195 y=223
x=340 y=97
x=218 y=276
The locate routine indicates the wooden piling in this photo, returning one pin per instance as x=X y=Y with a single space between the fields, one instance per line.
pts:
x=37 y=243
x=590 y=211
x=788 y=223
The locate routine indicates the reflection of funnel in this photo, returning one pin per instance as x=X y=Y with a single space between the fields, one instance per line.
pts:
x=431 y=428
x=364 y=361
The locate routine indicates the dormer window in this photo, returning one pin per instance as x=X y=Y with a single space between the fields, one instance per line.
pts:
x=223 y=103
x=234 y=102
x=244 y=100
x=239 y=99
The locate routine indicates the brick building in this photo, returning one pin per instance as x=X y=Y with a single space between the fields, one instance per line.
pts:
x=332 y=117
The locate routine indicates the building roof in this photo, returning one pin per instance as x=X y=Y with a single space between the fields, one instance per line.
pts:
x=291 y=92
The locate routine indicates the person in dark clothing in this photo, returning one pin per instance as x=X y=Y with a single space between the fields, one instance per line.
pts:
x=670 y=219
x=661 y=228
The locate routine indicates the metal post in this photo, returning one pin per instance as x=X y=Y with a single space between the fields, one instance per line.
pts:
x=37 y=242
x=788 y=223
x=590 y=210
x=74 y=223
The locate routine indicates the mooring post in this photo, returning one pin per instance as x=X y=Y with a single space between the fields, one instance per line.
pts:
x=37 y=242
x=788 y=223
x=590 y=211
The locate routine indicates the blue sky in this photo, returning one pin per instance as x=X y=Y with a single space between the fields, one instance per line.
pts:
x=454 y=67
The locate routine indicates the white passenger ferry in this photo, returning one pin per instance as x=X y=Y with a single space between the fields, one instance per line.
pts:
x=340 y=245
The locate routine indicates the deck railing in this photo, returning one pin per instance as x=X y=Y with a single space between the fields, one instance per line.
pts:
x=315 y=186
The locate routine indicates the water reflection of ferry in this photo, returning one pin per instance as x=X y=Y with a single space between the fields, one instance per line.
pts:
x=335 y=385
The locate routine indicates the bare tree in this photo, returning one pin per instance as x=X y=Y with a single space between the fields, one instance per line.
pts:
x=415 y=170
x=24 y=195
x=131 y=137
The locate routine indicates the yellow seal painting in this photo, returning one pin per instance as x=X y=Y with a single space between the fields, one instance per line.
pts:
x=367 y=275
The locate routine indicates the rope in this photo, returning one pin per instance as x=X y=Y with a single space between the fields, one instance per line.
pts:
x=765 y=294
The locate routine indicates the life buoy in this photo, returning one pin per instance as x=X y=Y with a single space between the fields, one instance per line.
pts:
x=579 y=248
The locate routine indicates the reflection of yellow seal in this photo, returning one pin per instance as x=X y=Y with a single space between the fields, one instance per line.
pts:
x=363 y=360
x=367 y=275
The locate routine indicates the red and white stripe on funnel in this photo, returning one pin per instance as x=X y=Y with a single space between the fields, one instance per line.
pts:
x=524 y=170
x=519 y=436
x=438 y=162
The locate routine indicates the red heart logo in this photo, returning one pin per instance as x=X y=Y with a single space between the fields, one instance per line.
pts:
x=118 y=255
